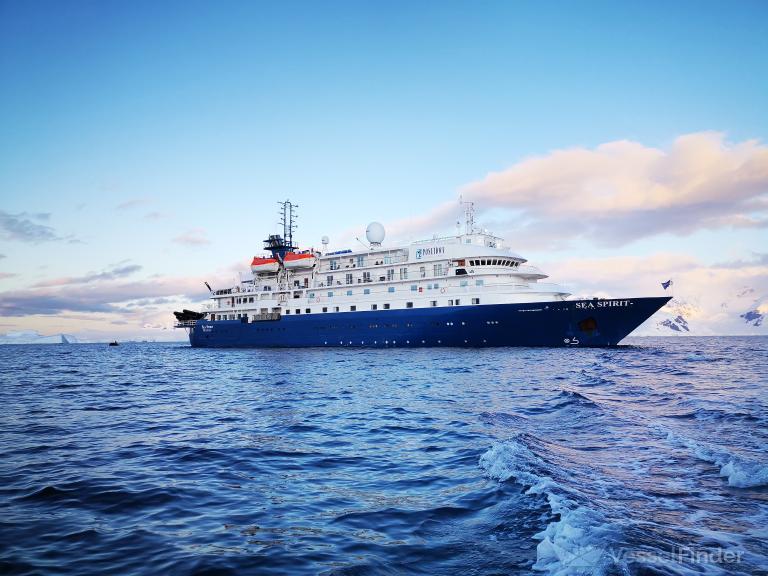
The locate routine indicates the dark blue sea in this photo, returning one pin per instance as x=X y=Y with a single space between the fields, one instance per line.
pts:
x=650 y=458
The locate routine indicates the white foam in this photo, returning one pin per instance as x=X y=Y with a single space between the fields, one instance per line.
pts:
x=741 y=472
x=574 y=544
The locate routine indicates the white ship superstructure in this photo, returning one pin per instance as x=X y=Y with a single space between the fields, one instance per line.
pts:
x=471 y=268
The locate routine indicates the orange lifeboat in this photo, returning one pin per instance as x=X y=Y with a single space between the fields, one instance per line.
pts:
x=264 y=265
x=294 y=260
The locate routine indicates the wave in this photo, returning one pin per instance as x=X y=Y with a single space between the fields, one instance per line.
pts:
x=578 y=540
x=741 y=472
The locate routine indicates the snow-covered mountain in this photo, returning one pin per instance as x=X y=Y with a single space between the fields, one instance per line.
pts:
x=744 y=313
x=32 y=337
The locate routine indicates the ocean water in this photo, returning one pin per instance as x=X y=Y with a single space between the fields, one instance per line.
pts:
x=650 y=458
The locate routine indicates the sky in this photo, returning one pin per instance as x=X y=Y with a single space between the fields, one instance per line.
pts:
x=144 y=146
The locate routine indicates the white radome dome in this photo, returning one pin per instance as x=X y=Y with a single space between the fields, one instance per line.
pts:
x=325 y=239
x=375 y=233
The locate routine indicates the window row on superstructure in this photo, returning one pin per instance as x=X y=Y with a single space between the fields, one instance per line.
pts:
x=328 y=309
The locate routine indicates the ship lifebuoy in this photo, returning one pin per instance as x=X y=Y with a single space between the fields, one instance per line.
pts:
x=442 y=290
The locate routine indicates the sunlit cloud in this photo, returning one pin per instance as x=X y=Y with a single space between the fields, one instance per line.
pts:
x=193 y=237
x=111 y=274
x=619 y=192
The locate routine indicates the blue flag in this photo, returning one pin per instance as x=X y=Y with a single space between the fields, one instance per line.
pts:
x=666 y=284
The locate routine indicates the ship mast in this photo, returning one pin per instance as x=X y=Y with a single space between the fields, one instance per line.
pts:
x=278 y=245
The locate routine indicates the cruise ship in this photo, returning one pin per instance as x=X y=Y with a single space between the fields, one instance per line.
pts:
x=465 y=290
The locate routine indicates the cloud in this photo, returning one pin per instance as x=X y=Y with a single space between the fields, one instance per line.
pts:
x=4 y=275
x=114 y=273
x=193 y=237
x=156 y=215
x=622 y=191
x=100 y=295
x=20 y=227
x=133 y=203
x=2 y=256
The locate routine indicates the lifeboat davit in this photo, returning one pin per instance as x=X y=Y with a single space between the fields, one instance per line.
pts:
x=264 y=265
x=294 y=260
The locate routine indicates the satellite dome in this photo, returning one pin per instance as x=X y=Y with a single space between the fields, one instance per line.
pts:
x=375 y=233
x=325 y=240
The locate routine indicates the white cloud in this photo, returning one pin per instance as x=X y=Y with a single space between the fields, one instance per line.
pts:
x=619 y=192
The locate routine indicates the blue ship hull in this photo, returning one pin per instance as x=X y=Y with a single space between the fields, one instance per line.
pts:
x=569 y=323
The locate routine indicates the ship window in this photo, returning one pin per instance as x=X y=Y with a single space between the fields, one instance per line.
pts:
x=348 y=278
x=386 y=306
x=450 y=302
x=308 y=310
x=330 y=294
x=391 y=289
x=250 y=300
x=329 y=280
x=311 y=294
x=298 y=310
x=403 y=273
x=360 y=260
x=335 y=308
x=479 y=282
x=414 y=287
x=475 y=300
x=463 y=283
x=458 y=302
x=436 y=286
x=325 y=309
x=349 y=292
x=352 y=308
x=366 y=291
x=429 y=286
x=422 y=272
x=287 y=311
x=433 y=303
x=390 y=275
x=409 y=304
x=374 y=307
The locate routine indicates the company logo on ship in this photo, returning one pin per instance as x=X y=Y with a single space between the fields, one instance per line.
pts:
x=434 y=251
